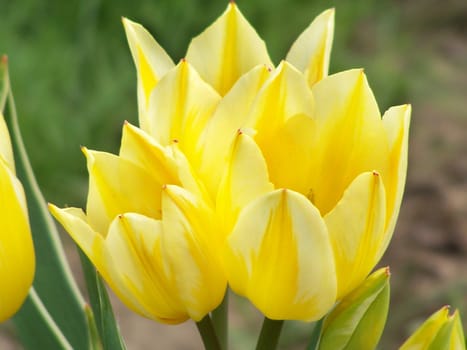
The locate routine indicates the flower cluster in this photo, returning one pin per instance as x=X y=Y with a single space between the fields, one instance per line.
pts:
x=283 y=182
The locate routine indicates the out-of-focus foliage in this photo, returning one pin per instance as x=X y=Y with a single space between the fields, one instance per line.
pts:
x=74 y=80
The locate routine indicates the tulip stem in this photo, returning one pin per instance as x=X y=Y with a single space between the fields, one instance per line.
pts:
x=220 y=321
x=270 y=333
x=315 y=335
x=208 y=334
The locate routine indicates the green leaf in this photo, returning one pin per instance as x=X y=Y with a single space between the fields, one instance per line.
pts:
x=357 y=322
x=54 y=284
x=101 y=306
x=44 y=333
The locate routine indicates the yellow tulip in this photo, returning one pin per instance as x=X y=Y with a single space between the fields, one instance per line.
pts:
x=153 y=241
x=17 y=261
x=295 y=174
x=439 y=331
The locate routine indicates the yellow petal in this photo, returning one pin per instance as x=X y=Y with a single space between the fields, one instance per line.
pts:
x=311 y=52
x=229 y=116
x=290 y=147
x=282 y=116
x=356 y=228
x=117 y=186
x=167 y=165
x=227 y=49
x=6 y=153
x=180 y=107
x=245 y=178
x=191 y=244
x=279 y=256
x=396 y=123
x=350 y=136
x=139 y=148
x=17 y=262
x=283 y=96
x=151 y=61
x=134 y=244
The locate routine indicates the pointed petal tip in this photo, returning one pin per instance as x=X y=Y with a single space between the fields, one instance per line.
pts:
x=4 y=59
x=330 y=12
x=387 y=271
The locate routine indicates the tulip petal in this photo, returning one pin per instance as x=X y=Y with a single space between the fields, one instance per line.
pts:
x=279 y=256
x=134 y=244
x=180 y=107
x=284 y=95
x=396 y=122
x=290 y=147
x=229 y=116
x=93 y=245
x=167 y=165
x=356 y=229
x=6 y=152
x=151 y=61
x=311 y=52
x=351 y=137
x=117 y=186
x=17 y=262
x=191 y=244
x=245 y=178
x=282 y=115
x=144 y=151
x=227 y=49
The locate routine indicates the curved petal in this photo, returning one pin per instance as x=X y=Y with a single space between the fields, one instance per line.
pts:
x=311 y=52
x=151 y=61
x=229 y=116
x=6 y=152
x=179 y=108
x=17 y=262
x=290 y=147
x=144 y=151
x=351 y=137
x=227 y=49
x=135 y=248
x=282 y=117
x=284 y=95
x=245 y=178
x=118 y=186
x=279 y=256
x=191 y=245
x=167 y=165
x=356 y=229
x=396 y=123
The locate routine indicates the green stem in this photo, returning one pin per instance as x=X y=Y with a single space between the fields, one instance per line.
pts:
x=208 y=334
x=315 y=335
x=270 y=333
x=220 y=321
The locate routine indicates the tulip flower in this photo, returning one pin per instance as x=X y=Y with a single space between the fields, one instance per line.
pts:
x=327 y=145
x=295 y=176
x=149 y=231
x=439 y=331
x=17 y=262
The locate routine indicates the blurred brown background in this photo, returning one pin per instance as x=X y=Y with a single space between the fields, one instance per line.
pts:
x=74 y=84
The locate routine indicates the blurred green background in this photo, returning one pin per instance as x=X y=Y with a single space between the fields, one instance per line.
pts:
x=74 y=84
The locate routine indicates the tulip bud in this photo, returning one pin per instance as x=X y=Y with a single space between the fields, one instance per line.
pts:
x=358 y=320
x=439 y=331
